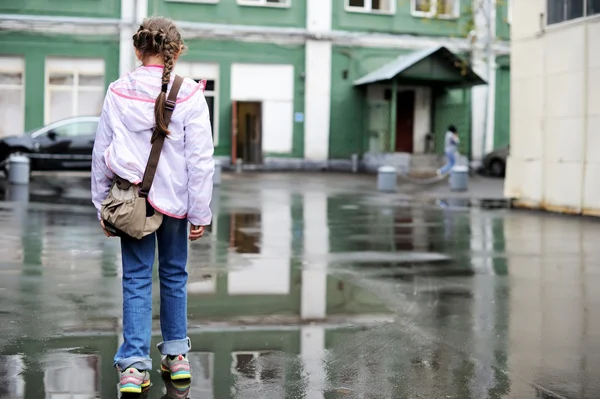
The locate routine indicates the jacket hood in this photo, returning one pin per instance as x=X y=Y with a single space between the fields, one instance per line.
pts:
x=136 y=93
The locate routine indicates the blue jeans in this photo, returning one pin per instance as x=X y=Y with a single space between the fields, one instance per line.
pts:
x=138 y=260
x=451 y=160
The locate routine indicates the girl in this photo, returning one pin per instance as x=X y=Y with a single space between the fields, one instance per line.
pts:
x=133 y=112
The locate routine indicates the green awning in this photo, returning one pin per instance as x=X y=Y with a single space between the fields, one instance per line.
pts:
x=436 y=66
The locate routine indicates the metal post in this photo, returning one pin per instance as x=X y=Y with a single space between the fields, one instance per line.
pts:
x=393 y=112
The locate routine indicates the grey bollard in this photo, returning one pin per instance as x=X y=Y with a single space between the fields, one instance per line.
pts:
x=387 y=179
x=18 y=169
x=217 y=174
x=18 y=193
x=239 y=165
x=354 y=159
x=459 y=178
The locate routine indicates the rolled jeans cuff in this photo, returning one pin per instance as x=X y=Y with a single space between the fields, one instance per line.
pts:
x=140 y=363
x=176 y=347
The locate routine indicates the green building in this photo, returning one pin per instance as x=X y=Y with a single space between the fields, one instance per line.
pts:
x=301 y=83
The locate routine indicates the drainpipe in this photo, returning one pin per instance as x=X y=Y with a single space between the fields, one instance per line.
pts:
x=393 y=107
x=488 y=55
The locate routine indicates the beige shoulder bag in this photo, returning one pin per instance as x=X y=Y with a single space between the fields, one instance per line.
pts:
x=126 y=212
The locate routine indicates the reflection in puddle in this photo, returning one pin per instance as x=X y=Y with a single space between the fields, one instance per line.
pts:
x=304 y=293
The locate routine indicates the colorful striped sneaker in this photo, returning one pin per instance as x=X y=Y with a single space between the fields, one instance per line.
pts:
x=133 y=381
x=177 y=366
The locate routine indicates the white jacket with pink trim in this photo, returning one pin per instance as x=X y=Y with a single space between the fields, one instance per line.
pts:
x=182 y=187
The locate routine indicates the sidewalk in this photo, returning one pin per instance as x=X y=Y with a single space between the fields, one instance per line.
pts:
x=74 y=187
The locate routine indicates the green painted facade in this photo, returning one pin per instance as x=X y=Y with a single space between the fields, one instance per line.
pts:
x=35 y=48
x=229 y=12
x=402 y=22
x=78 y=8
x=502 y=25
x=226 y=53
x=502 y=111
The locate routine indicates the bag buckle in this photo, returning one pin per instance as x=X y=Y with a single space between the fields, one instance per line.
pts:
x=142 y=193
x=170 y=105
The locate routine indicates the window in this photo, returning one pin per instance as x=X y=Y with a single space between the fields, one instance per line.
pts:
x=12 y=96
x=76 y=129
x=436 y=8
x=266 y=3
x=209 y=72
x=593 y=7
x=374 y=6
x=74 y=87
x=566 y=10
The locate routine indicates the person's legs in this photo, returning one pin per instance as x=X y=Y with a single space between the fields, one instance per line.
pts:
x=172 y=257
x=450 y=161
x=138 y=259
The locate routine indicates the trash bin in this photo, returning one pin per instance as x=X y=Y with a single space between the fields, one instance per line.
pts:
x=386 y=179
x=217 y=174
x=459 y=178
x=18 y=169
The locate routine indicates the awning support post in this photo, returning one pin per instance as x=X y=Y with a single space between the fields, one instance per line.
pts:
x=393 y=115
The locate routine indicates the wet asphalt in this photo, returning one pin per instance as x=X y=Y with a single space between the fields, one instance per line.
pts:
x=313 y=286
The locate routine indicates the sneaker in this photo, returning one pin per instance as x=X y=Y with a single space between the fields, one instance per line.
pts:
x=178 y=389
x=177 y=366
x=133 y=381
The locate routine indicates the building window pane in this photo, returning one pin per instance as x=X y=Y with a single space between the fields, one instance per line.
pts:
x=564 y=10
x=357 y=3
x=593 y=7
x=423 y=6
x=75 y=87
x=61 y=105
x=433 y=8
x=12 y=96
x=90 y=102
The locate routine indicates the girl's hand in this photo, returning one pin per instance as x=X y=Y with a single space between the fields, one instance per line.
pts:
x=106 y=232
x=196 y=232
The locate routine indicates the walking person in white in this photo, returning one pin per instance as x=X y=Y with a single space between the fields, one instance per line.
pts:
x=451 y=142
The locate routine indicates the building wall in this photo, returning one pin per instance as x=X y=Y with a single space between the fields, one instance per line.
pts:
x=228 y=53
x=402 y=21
x=36 y=49
x=83 y=8
x=230 y=12
x=555 y=113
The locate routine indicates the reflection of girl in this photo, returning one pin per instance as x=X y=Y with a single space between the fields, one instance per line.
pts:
x=451 y=142
x=133 y=114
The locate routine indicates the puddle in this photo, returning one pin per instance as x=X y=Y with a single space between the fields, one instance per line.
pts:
x=315 y=290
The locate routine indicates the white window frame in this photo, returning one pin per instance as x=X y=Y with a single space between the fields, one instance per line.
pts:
x=509 y=11
x=263 y=3
x=368 y=8
x=194 y=70
x=15 y=64
x=76 y=67
x=433 y=13
x=194 y=1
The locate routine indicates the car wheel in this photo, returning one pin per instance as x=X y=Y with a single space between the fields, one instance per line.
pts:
x=496 y=168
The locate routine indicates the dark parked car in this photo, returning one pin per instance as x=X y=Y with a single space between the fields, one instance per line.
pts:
x=73 y=137
x=494 y=164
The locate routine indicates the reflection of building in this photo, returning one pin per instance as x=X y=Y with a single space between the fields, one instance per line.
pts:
x=284 y=76
x=554 y=161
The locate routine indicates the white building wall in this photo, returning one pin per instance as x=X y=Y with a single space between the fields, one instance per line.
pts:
x=273 y=85
x=555 y=111
x=483 y=104
x=317 y=95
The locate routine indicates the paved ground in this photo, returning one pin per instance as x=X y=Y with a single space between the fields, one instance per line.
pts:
x=315 y=286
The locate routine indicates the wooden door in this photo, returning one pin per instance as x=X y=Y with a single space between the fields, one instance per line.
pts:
x=405 y=114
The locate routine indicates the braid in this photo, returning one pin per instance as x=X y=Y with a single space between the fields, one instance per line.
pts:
x=169 y=57
x=159 y=36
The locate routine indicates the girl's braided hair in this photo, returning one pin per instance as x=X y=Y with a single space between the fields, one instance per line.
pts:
x=159 y=36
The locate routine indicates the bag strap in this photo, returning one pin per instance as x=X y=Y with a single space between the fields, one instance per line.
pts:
x=160 y=140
